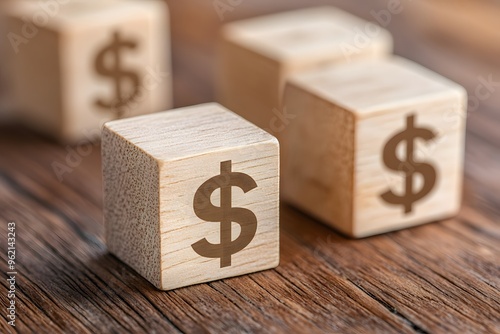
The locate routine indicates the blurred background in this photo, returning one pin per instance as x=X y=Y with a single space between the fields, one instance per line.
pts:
x=457 y=38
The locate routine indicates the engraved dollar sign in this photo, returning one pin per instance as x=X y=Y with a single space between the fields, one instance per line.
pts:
x=114 y=70
x=410 y=167
x=225 y=214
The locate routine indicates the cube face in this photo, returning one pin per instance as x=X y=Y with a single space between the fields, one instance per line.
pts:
x=36 y=89
x=230 y=196
x=319 y=146
x=214 y=179
x=131 y=205
x=99 y=61
x=396 y=162
x=5 y=94
x=410 y=170
x=258 y=55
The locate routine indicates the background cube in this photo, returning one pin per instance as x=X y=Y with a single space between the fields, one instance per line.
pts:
x=171 y=178
x=4 y=95
x=257 y=55
x=76 y=64
x=375 y=146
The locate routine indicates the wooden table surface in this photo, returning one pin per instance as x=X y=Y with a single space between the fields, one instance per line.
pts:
x=438 y=278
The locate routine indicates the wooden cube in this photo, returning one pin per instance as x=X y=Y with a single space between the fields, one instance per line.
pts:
x=191 y=195
x=257 y=55
x=4 y=96
x=77 y=64
x=376 y=145
x=4 y=68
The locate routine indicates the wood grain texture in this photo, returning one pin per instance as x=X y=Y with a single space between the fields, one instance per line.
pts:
x=79 y=64
x=436 y=278
x=159 y=186
x=335 y=147
x=258 y=55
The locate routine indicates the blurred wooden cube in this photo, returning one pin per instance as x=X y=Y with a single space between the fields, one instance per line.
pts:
x=191 y=195
x=257 y=55
x=77 y=64
x=375 y=146
x=4 y=96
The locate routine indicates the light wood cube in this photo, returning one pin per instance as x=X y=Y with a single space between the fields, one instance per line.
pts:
x=4 y=96
x=257 y=55
x=191 y=195
x=4 y=68
x=376 y=146
x=77 y=64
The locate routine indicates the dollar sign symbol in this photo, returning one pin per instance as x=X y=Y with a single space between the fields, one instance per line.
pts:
x=410 y=166
x=225 y=214
x=117 y=73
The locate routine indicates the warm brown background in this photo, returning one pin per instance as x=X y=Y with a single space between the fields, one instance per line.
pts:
x=442 y=277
